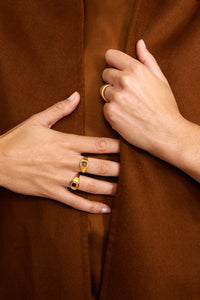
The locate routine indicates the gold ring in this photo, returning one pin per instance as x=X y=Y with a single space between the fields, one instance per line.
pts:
x=75 y=183
x=102 y=90
x=84 y=163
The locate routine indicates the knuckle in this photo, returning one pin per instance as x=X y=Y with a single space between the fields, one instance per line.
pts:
x=136 y=67
x=74 y=204
x=101 y=145
x=91 y=188
x=102 y=170
x=108 y=53
x=109 y=112
x=104 y=73
x=124 y=80
x=58 y=107
x=69 y=201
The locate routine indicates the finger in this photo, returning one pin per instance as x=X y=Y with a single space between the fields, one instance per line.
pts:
x=101 y=167
x=80 y=203
x=111 y=93
x=54 y=113
x=95 y=186
x=118 y=59
x=148 y=60
x=97 y=145
x=111 y=75
x=107 y=92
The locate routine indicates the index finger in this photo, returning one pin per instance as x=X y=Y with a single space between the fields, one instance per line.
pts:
x=96 y=145
x=119 y=59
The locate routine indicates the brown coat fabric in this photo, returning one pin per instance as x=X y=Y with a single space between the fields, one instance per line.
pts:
x=111 y=31
x=154 y=237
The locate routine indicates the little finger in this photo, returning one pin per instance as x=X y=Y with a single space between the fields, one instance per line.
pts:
x=80 y=203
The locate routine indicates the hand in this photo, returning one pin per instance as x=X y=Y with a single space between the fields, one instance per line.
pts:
x=36 y=160
x=141 y=107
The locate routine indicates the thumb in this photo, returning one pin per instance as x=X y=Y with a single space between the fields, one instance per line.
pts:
x=59 y=110
x=148 y=60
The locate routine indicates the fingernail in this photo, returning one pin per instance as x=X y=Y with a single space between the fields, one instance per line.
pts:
x=72 y=97
x=143 y=44
x=106 y=210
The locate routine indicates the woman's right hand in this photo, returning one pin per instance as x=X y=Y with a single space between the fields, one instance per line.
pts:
x=37 y=160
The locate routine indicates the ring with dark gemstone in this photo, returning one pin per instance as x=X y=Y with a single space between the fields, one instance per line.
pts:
x=75 y=183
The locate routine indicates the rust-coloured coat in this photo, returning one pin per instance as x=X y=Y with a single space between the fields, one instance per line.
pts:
x=154 y=237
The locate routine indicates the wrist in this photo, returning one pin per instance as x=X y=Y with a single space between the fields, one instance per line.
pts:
x=2 y=163
x=188 y=159
x=181 y=148
x=172 y=148
x=178 y=146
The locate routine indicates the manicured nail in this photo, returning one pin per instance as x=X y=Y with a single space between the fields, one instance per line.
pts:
x=143 y=44
x=72 y=97
x=106 y=210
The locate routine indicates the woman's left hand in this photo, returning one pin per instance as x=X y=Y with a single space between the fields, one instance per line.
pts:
x=141 y=106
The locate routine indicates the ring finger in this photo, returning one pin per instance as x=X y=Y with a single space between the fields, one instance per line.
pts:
x=111 y=75
x=108 y=92
x=95 y=186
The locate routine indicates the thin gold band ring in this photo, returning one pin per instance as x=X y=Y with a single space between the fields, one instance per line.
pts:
x=102 y=91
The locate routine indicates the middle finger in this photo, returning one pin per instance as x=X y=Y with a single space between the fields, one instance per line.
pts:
x=102 y=167
x=111 y=75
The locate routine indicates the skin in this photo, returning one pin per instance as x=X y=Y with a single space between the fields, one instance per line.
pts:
x=37 y=160
x=143 y=110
